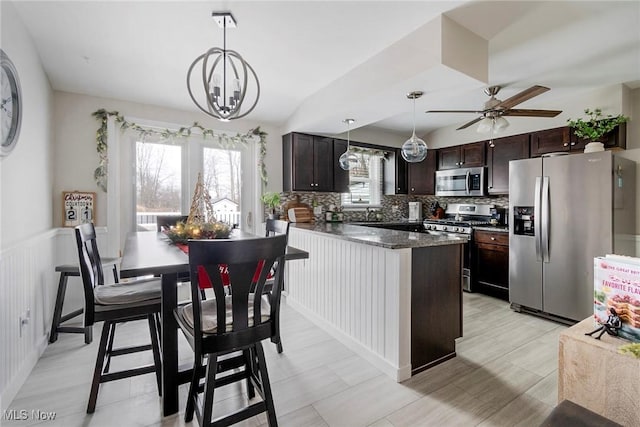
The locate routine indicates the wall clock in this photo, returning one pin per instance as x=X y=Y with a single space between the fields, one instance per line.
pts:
x=10 y=105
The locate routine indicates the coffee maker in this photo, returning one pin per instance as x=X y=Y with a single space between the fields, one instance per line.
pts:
x=498 y=216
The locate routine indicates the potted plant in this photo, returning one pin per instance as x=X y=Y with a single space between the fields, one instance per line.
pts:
x=272 y=201
x=595 y=127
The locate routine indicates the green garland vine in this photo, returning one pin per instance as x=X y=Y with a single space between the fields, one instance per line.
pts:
x=101 y=173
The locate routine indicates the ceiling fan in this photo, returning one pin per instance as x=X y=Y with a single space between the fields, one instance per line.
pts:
x=495 y=108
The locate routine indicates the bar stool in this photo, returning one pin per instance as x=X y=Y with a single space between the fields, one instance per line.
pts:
x=66 y=271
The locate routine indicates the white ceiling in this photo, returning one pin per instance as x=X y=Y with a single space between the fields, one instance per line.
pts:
x=140 y=51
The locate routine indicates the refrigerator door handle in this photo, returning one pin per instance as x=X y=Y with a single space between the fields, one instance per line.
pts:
x=466 y=184
x=546 y=218
x=536 y=217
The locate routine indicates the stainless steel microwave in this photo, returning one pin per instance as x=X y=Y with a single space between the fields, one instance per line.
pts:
x=461 y=182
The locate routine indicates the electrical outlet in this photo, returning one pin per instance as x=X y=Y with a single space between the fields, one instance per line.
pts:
x=24 y=319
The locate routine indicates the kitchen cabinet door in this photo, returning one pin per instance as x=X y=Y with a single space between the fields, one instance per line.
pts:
x=422 y=175
x=472 y=155
x=308 y=163
x=491 y=265
x=449 y=158
x=323 y=163
x=395 y=174
x=504 y=150
x=550 y=141
x=462 y=156
x=340 y=176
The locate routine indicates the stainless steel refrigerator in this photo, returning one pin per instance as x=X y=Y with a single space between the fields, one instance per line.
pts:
x=564 y=210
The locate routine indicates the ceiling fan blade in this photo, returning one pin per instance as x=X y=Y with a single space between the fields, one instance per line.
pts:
x=521 y=97
x=466 y=125
x=454 y=111
x=532 y=113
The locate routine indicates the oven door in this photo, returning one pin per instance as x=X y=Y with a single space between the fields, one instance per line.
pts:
x=460 y=182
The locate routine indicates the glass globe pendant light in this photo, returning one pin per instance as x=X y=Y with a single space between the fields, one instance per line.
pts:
x=348 y=160
x=414 y=150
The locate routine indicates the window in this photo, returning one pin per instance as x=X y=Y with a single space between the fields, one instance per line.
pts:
x=166 y=174
x=158 y=182
x=365 y=181
x=221 y=176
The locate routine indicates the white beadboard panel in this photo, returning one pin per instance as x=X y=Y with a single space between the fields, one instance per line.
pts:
x=358 y=293
x=28 y=284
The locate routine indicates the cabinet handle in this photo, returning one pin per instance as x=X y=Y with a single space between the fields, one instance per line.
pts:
x=565 y=144
x=573 y=143
x=493 y=238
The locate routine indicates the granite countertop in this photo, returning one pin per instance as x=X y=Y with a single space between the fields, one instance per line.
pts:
x=391 y=239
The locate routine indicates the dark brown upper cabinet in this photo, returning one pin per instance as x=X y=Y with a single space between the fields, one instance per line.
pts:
x=422 y=175
x=340 y=176
x=498 y=156
x=551 y=141
x=462 y=156
x=395 y=173
x=309 y=164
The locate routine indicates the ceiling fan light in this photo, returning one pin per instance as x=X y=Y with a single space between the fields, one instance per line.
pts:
x=414 y=150
x=501 y=123
x=485 y=125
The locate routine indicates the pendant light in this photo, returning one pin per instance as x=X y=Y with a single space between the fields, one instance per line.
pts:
x=348 y=160
x=225 y=78
x=414 y=150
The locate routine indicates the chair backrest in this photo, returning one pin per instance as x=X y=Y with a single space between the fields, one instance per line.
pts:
x=166 y=221
x=90 y=267
x=276 y=226
x=247 y=262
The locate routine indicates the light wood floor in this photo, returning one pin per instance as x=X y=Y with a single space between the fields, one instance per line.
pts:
x=505 y=374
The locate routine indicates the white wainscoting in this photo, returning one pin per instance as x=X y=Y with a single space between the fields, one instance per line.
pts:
x=29 y=282
x=358 y=293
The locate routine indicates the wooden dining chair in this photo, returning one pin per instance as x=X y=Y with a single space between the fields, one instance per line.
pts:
x=236 y=323
x=274 y=227
x=113 y=304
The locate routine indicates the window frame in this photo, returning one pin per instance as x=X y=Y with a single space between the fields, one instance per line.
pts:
x=347 y=205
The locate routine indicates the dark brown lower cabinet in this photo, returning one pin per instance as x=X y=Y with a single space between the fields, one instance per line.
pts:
x=491 y=263
x=436 y=304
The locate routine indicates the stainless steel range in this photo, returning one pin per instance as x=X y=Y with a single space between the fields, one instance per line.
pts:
x=459 y=220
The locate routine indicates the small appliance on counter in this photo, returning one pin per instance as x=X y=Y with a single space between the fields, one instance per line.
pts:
x=498 y=216
x=415 y=211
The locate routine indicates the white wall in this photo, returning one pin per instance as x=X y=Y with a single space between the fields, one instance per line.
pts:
x=26 y=267
x=25 y=176
x=76 y=157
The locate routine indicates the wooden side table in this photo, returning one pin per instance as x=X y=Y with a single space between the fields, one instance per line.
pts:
x=594 y=375
x=66 y=271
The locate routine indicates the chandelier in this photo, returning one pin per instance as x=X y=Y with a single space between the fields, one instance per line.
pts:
x=414 y=150
x=225 y=78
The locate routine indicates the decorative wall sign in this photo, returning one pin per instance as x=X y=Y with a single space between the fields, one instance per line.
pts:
x=78 y=207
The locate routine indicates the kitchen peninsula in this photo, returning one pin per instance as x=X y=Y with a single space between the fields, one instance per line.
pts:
x=394 y=297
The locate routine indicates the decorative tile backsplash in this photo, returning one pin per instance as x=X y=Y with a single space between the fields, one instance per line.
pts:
x=394 y=208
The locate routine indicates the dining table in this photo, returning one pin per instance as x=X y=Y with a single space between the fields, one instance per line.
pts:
x=152 y=253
